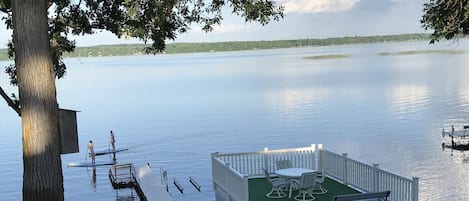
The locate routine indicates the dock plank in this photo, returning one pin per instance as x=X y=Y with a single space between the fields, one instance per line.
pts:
x=150 y=185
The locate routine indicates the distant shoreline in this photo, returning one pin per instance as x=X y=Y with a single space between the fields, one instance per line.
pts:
x=175 y=48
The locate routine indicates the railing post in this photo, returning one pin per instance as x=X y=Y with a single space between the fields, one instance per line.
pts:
x=313 y=156
x=246 y=188
x=415 y=188
x=375 y=177
x=266 y=159
x=226 y=171
x=215 y=155
x=344 y=155
x=320 y=158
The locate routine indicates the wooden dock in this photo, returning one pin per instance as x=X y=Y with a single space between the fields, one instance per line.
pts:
x=142 y=179
x=151 y=185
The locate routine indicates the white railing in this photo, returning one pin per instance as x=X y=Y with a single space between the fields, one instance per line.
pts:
x=367 y=178
x=234 y=184
x=230 y=171
x=252 y=163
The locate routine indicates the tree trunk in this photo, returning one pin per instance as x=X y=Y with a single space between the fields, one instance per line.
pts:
x=42 y=176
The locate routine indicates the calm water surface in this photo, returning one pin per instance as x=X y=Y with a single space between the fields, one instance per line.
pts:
x=174 y=110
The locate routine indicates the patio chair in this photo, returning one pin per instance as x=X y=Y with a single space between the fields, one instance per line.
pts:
x=305 y=189
x=318 y=188
x=278 y=184
x=283 y=164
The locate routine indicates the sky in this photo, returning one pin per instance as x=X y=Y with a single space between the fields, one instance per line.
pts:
x=303 y=19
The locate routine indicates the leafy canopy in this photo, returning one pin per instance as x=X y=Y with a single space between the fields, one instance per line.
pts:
x=448 y=18
x=153 y=21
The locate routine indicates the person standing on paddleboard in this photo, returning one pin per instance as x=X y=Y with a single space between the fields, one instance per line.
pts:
x=91 y=151
x=112 y=140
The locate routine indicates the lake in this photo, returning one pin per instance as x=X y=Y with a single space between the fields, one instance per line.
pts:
x=173 y=111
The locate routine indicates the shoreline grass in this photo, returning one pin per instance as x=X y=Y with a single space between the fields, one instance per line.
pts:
x=415 y=52
x=327 y=56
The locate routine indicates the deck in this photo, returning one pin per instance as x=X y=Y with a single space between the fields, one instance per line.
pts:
x=235 y=175
x=258 y=187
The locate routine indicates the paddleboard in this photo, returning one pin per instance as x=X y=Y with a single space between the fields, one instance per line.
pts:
x=108 y=151
x=90 y=164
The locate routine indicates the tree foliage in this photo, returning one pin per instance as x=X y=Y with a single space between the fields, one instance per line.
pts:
x=153 y=21
x=447 y=18
x=40 y=38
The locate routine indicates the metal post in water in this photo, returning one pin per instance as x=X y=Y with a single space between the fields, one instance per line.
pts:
x=195 y=184
x=178 y=186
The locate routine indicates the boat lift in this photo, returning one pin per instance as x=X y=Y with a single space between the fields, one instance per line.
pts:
x=145 y=183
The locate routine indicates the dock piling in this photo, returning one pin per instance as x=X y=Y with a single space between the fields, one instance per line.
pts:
x=195 y=184
x=178 y=186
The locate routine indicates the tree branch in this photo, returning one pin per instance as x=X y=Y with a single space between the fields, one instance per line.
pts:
x=10 y=102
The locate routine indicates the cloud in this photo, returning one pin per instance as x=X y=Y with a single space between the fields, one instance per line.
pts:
x=317 y=6
x=226 y=28
x=223 y=32
x=229 y=28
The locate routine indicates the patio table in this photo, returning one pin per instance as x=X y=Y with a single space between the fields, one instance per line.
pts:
x=291 y=174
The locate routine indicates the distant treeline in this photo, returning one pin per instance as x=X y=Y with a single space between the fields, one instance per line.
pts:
x=171 y=48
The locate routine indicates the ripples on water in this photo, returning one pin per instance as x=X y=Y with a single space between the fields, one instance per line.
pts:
x=174 y=110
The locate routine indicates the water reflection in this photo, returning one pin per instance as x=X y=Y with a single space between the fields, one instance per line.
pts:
x=93 y=179
x=463 y=97
x=409 y=98
x=290 y=102
x=126 y=195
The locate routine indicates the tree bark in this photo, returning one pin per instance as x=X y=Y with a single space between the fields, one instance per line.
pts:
x=42 y=176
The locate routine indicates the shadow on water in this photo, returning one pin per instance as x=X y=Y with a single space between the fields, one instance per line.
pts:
x=123 y=192
x=126 y=195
